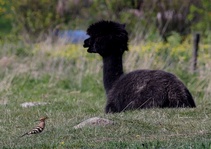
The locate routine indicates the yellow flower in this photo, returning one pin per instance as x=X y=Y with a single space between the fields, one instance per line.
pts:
x=62 y=143
x=138 y=136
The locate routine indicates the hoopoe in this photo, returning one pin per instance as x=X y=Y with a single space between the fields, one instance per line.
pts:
x=37 y=129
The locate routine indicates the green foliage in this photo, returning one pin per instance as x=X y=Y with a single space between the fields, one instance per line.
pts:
x=34 y=17
x=37 y=19
x=5 y=18
x=203 y=11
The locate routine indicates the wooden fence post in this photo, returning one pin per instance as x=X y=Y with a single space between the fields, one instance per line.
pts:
x=196 y=39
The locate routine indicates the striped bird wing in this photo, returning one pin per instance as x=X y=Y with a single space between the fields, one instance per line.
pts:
x=36 y=130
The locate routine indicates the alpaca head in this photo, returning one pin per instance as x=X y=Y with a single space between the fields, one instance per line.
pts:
x=107 y=38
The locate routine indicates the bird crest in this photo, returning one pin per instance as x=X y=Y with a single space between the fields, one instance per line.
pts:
x=43 y=118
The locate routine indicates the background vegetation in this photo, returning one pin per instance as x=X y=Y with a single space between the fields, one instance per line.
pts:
x=34 y=67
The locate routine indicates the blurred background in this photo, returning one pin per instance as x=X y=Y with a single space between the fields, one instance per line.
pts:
x=45 y=37
x=35 y=20
x=42 y=60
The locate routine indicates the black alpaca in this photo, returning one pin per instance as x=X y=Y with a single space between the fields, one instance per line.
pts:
x=138 y=89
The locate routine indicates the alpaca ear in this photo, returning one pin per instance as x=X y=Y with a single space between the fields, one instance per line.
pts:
x=124 y=25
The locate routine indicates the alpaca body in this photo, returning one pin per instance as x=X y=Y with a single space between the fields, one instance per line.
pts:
x=138 y=89
x=148 y=89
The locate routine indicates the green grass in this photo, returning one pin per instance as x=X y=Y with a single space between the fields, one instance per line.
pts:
x=73 y=89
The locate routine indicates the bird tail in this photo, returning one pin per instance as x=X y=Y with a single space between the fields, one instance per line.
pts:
x=24 y=135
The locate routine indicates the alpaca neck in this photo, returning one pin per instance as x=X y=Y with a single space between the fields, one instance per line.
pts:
x=112 y=70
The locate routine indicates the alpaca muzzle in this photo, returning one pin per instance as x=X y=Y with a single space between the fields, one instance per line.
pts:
x=87 y=44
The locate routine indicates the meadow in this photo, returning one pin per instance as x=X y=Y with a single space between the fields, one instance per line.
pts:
x=69 y=81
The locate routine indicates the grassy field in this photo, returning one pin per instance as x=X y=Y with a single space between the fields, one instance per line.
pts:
x=69 y=80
